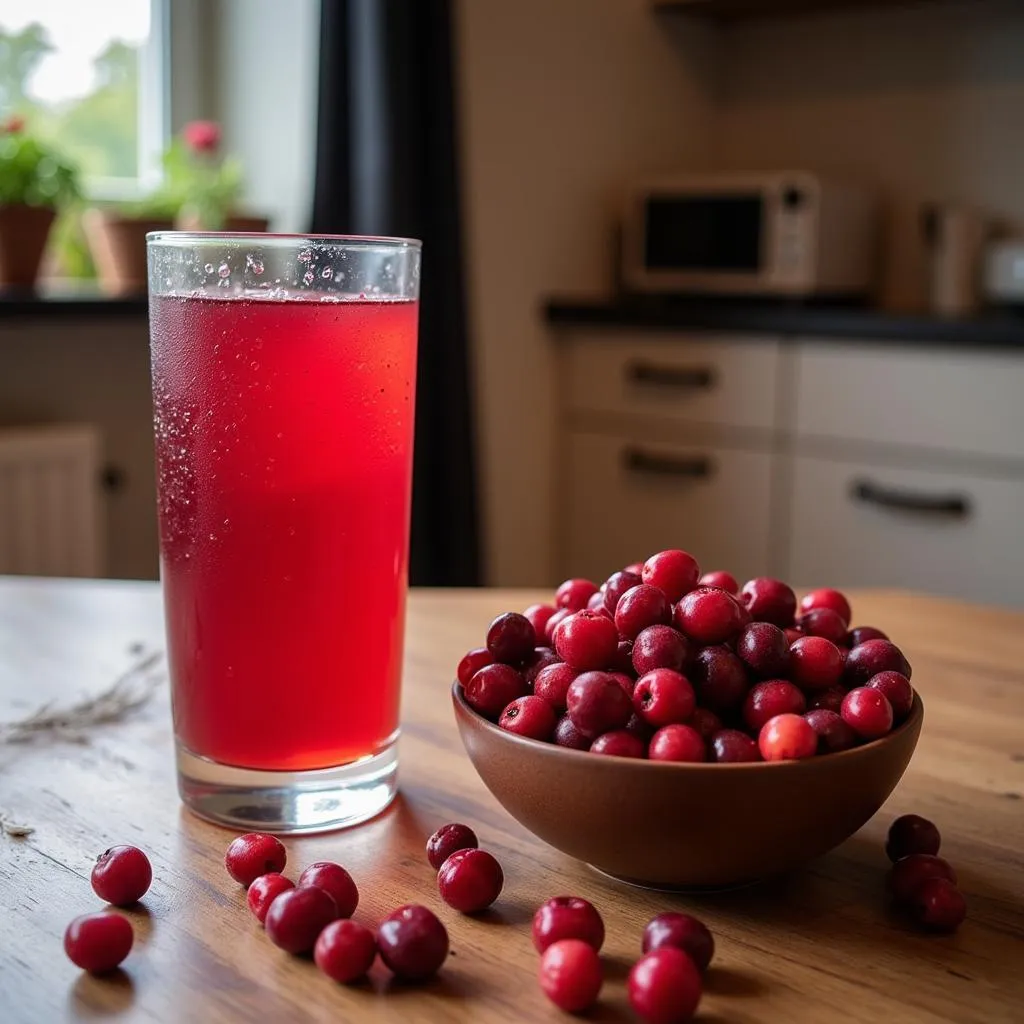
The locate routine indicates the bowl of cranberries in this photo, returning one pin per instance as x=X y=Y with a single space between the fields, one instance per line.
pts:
x=676 y=729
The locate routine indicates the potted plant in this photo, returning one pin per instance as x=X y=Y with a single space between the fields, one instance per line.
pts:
x=35 y=181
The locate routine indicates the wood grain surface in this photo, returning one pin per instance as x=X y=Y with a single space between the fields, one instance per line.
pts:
x=818 y=946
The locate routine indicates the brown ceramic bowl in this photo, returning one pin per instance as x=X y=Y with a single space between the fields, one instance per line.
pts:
x=686 y=825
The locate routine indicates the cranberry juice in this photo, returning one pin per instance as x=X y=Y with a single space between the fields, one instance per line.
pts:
x=284 y=459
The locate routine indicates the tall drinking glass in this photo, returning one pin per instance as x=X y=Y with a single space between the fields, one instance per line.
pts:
x=284 y=372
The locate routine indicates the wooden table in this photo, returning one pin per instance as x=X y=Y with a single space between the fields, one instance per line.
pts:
x=819 y=946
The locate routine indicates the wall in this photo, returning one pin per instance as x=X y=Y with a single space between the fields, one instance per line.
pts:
x=561 y=103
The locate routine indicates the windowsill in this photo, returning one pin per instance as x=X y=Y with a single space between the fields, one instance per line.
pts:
x=67 y=297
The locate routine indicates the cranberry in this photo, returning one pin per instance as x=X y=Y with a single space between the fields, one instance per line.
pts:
x=787 y=738
x=537 y=662
x=867 y=712
x=567 y=735
x=706 y=722
x=719 y=679
x=586 y=640
x=682 y=932
x=864 y=633
x=815 y=663
x=619 y=743
x=121 y=875
x=771 y=698
x=826 y=597
x=567 y=917
x=335 y=881
x=792 y=634
x=659 y=647
x=616 y=585
x=493 y=688
x=570 y=975
x=639 y=608
x=574 y=594
x=345 y=951
x=729 y=746
x=532 y=717
x=552 y=624
x=664 y=987
x=298 y=916
x=897 y=690
x=664 y=697
x=769 y=600
x=939 y=905
x=596 y=601
x=98 y=942
x=908 y=873
x=871 y=657
x=412 y=942
x=538 y=614
x=637 y=727
x=677 y=743
x=674 y=573
x=263 y=891
x=830 y=699
x=721 y=579
x=636 y=568
x=910 y=833
x=622 y=659
x=763 y=649
x=596 y=703
x=471 y=663
x=709 y=616
x=833 y=733
x=446 y=840
x=552 y=682
x=510 y=638
x=252 y=855
x=470 y=880
x=825 y=623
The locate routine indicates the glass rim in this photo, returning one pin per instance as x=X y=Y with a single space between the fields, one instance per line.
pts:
x=183 y=239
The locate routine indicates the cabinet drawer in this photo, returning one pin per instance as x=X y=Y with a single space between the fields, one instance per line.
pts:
x=627 y=499
x=862 y=524
x=952 y=401
x=694 y=378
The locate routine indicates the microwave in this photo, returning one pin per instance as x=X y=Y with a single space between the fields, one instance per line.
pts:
x=785 y=233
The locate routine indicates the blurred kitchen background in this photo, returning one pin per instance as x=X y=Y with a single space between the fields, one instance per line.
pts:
x=740 y=276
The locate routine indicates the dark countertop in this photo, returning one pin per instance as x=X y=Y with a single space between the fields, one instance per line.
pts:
x=69 y=299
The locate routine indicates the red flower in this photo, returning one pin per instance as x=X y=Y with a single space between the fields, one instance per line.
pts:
x=14 y=125
x=202 y=136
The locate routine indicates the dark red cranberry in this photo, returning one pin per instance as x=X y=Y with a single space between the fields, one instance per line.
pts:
x=549 y=630
x=907 y=874
x=682 y=932
x=719 y=678
x=297 y=917
x=659 y=647
x=628 y=683
x=98 y=942
x=567 y=917
x=470 y=880
x=121 y=875
x=769 y=600
x=552 y=682
x=910 y=833
x=864 y=633
x=472 y=662
x=825 y=623
x=511 y=639
x=616 y=585
x=619 y=743
x=570 y=975
x=574 y=594
x=345 y=951
x=829 y=700
x=263 y=891
x=446 y=840
x=596 y=601
x=706 y=722
x=673 y=572
x=709 y=616
x=637 y=727
x=493 y=688
x=664 y=987
x=721 y=579
x=792 y=635
x=639 y=608
x=897 y=690
x=787 y=738
x=871 y=657
x=867 y=712
x=826 y=597
x=833 y=733
x=537 y=662
x=252 y=855
x=586 y=640
x=532 y=717
x=596 y=703
x=815 y=663
x=729 y=746
x=939 y=905
x=538 y=614
x=664 y=697
x=677 y=743
x=412 y=942
x=771 y=698
x=567 y=735
x=622 y=660
x=335 y=881
x=763 y=649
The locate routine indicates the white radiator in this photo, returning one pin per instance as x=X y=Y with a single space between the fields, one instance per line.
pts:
x=50 y=514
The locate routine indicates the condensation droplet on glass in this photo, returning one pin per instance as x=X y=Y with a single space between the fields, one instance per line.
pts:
x=291 y=531
x=305 y=256
x=327 y=273
x=307 y=277
x=279 y=436
x=254 y=365
x=257 y=267
x=223 y=270
x=208 y=268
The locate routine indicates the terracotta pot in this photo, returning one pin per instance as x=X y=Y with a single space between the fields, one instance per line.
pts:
x=236 y=222
x=23 y=234
x=118 y=246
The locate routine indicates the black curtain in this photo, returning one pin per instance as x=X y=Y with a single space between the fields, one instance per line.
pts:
x=387 y=165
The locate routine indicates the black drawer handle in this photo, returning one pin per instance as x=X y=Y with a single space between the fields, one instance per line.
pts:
x=955 y=505
x=687 y=378
x=695 y=467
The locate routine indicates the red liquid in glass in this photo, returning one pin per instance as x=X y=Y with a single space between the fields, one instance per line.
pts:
x=284 y=450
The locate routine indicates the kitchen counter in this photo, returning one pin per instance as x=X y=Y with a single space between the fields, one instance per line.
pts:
x=818 y=945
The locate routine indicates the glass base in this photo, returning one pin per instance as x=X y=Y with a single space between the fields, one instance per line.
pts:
x=311 y=801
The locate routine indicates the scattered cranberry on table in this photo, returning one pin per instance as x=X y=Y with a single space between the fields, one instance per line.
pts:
x=98 y=942
x=412 y=942
x=263 y=891
x=682 y=932
x=570 y=975
x=345 y=951
x=121 y=875
x=908 y=873
x=470 y=880
x=938 y=905
x=297 y=917
x=664 y=987
x=567 y=917
x=252 y=855
x=446 y=840
x=910 y=833
x=336 y=882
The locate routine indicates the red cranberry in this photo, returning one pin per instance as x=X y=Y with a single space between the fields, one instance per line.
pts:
x=616 y=585
x=787 y=738
x=472 y=662
x=639 y=608
x=864 y=633
x=729 y=746
x=345 y=951
x=825 y=623
x=664 y=987
x=98 y=942
x=897 y=691
x=709 y=616
x=538 y=614
x=567 y=735
x=674 y=573
x=682 y=932
x=596 y=601
x=570 y=975
x=771 y=698
x=510 y=638
x=939 y=905
x=552 y=682
x=446 y=840
x=121 y=875
x=586 y=640
x=619 y=743
x=769 y=600
x=532 y=717
x=908 y=873
x=335 y=881
x=470 y=880
x=412 y=942
x=829 y=700
x=792 y=635
x=826 y=597
x=763 y=649
x=263 y=891
x=298 y=916
x=815 y=663
x=677 y=743
x=567 y=917
x=659 y=647
x=721 y=579
x=596 y=703
x=552 y=625
x=622 y=660
x=719 y=679
x=537 y=662
x=867 y=712
x=493 y=688
x=706 y=722
x=871 y=657
x=910 y=833
x=833 y=733
x=664 y=697
x=637 y=568
x=252 y=855
x=574 y=594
